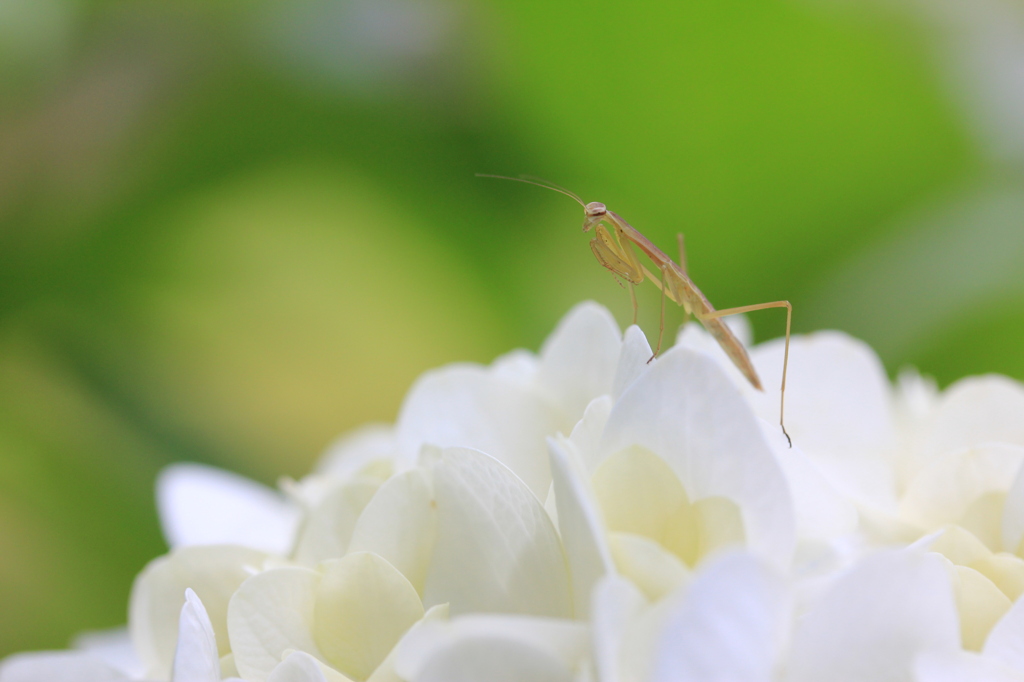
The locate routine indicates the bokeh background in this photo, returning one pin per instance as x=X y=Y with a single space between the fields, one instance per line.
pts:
x=231 y=231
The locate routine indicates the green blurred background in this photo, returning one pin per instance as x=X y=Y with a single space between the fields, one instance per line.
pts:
x=230 y=231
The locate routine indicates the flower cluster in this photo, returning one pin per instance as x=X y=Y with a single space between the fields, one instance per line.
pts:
x=586 y=515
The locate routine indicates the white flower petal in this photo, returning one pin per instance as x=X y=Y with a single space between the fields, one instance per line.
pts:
x=975 y=410
x=196 y=658
x=114 y=647
x=473 y=659
x=946 y=488
x=692 y=335
x=357 y=449
x=213 y=571
x=203 y=505
x=616 y=603
x=822 y=512
x=729 y=626
x=518 y=366
x=578 y=360
x=327 y=529
x=837 y=394
x=871 y=623
x=686 y=411
x=579 y=520
x=57 y=666
x=468 y=406
x=400 y=524
x=496 y=548
x=961 y=666
x=485 y=644
x=633 y=360
x=271 y=613
x=587 y=433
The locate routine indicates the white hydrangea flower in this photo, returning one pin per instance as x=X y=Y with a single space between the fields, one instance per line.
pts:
x=582 y=515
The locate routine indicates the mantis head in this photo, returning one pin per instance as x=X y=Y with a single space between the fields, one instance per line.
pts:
x=595 y=212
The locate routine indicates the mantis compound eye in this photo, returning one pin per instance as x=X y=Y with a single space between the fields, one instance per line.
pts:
x=595 y=208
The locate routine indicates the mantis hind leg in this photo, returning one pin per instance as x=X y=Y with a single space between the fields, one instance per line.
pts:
x=632 y=297
x=785 y=358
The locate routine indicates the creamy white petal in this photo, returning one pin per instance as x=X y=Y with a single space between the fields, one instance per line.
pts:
x=386 y=671
x=947 y=486
x=196 y=658
x=650 y=566
x=213 y=571
x=496 y=550
x=985 y=409
x=271 y=613
x=578 y=360
x=400 y=524
x=468 y=406
x=57 y=666
x=687 y=412
x=363 y=607
x=1005 y=642
x=297 y=667
x=1013 y=514
x=633 y=360
x=872 y=622
x=582 y=530
x=730 y=625
x=203 y=505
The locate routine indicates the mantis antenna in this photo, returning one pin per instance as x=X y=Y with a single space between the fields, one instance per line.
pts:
x=530 y=180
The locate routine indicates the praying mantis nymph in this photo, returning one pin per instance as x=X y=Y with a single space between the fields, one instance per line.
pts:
x=613 y=249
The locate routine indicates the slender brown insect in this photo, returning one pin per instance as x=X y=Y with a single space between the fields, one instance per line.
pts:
x=613 y=249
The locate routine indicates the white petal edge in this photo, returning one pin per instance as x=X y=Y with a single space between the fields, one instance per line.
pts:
x=271 y=613
x=469 y=406
x=58 y=666
x=578 y=360
x=496 y=550
x=203 y=505
x=582 y=530
x=195 y=658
